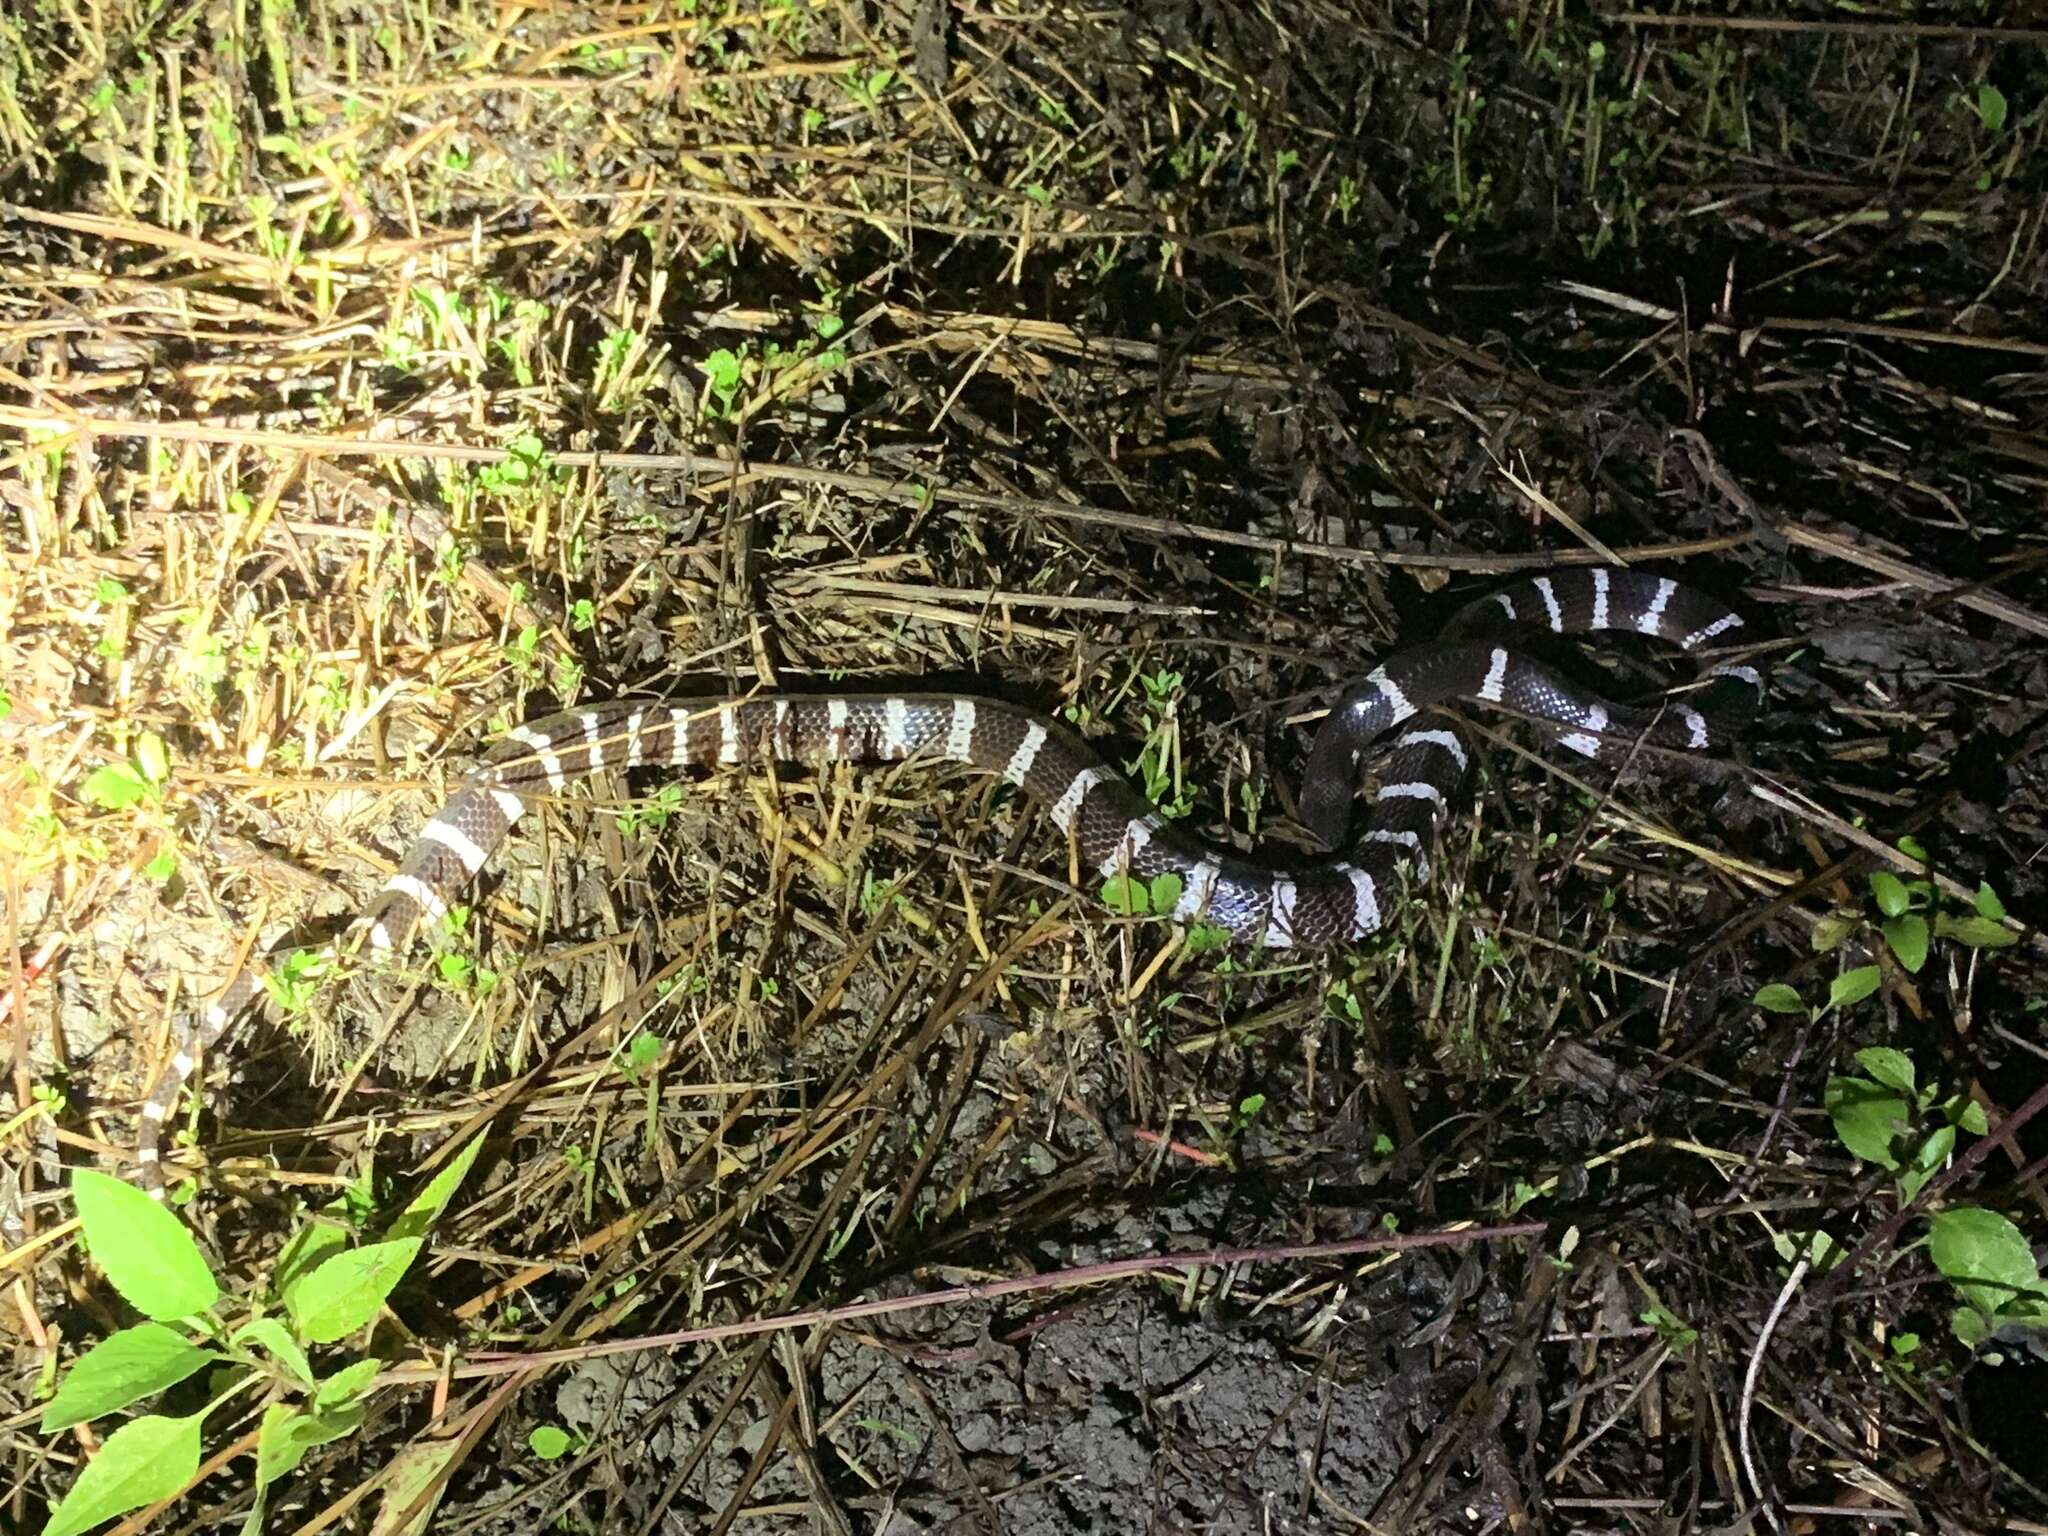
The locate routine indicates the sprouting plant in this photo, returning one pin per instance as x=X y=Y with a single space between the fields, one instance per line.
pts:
x=1990 y=107
x=262 y=1342
x=1677 y=1334
x=612 y=384
x=725 y=370
x=121 y=786
x=865 y=87
x=1345 y=199
x=1129 y=897
x=1158 y=764
x=1887 y=1116
x=524 y=466
x=652 y=813
x=1905 y=907
x=458 y=970
x=329 y=698
x=522 y=651
x=292 y=982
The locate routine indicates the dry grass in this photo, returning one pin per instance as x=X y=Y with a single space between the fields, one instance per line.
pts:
x=373 y=377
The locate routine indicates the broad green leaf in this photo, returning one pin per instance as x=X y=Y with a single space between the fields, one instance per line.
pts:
x=1927 y=1160
x=1866 y=1118
x=1988 y=904
x=277 y=1340
x=1779 y=998
x=146 y=1459
x=1852 y=987
x=427 y=1205
x=1991 y=107
x=1967 y=1114
x=1907 y=937
x=1892 y=1068
x=1832 y=929
x=1970 y=1326
x=344 y=1294
x=1977 y=932
x=1890 y=892
x=146 y=1252
x=310 y=1247
x=121 y=1369
x=1126 y=896
x=346 y=1385
x=1983 y=1255
x=114 y=788
x=548 y=1441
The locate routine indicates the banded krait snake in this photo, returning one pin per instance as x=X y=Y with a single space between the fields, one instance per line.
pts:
x=1114 y=829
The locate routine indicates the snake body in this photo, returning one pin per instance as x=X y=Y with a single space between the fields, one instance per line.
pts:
x=1113 y=828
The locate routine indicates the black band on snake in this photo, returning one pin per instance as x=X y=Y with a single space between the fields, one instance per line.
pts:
x=1114 y=829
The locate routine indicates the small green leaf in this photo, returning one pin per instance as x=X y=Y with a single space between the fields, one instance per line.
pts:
x=115 y=787
x=427 y=1205
x=1866 y=1118
x=277 y=1340
x=1892 y=1068
x=1779 y=998
x=1991 y=107
x=1852 y=987
x=1832 y=929
x=287 y=1434
x=1126 y=896
x=1823 y=1252
x=1907 y=937
x=146 y=1459
x=146 y=1252
x=1890 y=892
x=1970 y=1326
x=121 y=1369
x=548 y=1441
x=1977 y=932
x=1913 y=849
x=1988 y=904
x=1166 y=891
x=1983 y=1255
x=1927 y=1160
x=152 y=757
x=344 y=1293
x=1903 y=1344
x=281 y=1442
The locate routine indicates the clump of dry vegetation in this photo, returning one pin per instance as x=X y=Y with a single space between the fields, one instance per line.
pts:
x=814 y=1152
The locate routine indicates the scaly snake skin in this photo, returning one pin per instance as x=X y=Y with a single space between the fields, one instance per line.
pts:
x=1114 y=829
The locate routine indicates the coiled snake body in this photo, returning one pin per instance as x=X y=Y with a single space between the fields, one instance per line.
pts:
x=1113 y=828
